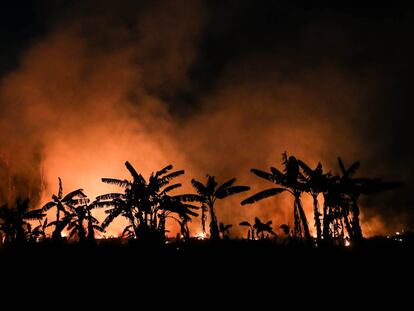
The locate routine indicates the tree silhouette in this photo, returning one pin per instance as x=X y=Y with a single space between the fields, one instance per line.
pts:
x=316 y=182
x=143 y=203
x=291 y=181
x=14 y=221
x=211 y=192
x=79 y=214
x=350 y=189
x=170 y=207
x=39 y=232
x=250 y=232
x=61 y=202
x=263 y=229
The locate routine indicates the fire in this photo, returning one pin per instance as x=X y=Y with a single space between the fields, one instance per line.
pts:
x=200 y=236
x=347 y=243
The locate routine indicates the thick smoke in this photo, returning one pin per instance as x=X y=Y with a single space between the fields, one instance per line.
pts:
x=94 y=92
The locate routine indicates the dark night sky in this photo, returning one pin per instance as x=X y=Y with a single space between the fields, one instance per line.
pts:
x=361 y=40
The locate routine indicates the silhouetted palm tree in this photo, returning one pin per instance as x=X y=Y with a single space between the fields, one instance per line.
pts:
x=143 y=203
x=263 y=229
x=316 y=182
x=250 y=232
x=291 y=181
x=170 y=207
x=39 y=232
x=211 y=192
x=60 y=202
x=128 y=232
x=351 y=188
x=14 y=221
x=80 y=214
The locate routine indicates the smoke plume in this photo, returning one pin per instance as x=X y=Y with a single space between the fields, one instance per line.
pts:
x=103 y=86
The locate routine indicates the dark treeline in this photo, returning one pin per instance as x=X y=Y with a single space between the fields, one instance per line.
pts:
x=147 y=204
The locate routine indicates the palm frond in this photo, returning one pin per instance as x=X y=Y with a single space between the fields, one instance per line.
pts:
x=190 y=206
x=34 y=214
x=71 y=195
x=98 y=228
x=245 y=223
x=48 y=206
x=226 y=185
x=164 y=180
x=112 y=214
x=104 y=204
x=262 y=195
x=225 y=192
x=187 y=198
x=109 y=196
x=200 y=188
x=60 y=193
x=342 y=166
x=113 y=181
x=352 y=169
x=164 y=170
x=264 y=175
x=306 y=169
x=137 y=177
x=82 y=201
x=276 y=173
x=170 y=188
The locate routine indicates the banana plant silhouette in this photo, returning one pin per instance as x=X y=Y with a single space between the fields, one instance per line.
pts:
x=351 y=188
x=79 y=214
x=291 y=181
x=316 y=182
x=142 y=201
x=250 y=232
x=210 y=192
x=39 y=232
x=61 y=202
x=263 y=229
x=14 y=220
x=171 y=206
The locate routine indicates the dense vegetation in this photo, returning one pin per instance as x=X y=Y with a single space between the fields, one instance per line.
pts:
x=147 y=204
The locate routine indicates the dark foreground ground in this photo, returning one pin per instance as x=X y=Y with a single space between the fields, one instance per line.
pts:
x=204 y=275
x=234 y=271
x=206 y=259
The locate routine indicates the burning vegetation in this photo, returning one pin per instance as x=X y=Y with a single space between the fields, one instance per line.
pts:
x=147 y=205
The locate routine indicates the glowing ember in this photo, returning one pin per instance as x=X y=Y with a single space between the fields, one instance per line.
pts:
x=200 y=236
x=347 y=243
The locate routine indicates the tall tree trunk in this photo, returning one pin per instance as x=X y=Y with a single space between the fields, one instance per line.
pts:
x=20 y=236
x=303 y=219
x=214 y=230
x=317 y=217
x=325 y=235
x=297 y=230
x=91 y=232
x=203 y=218
x=348 y=226
x=56 y=235
x=357 y=231
x=81 y=233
